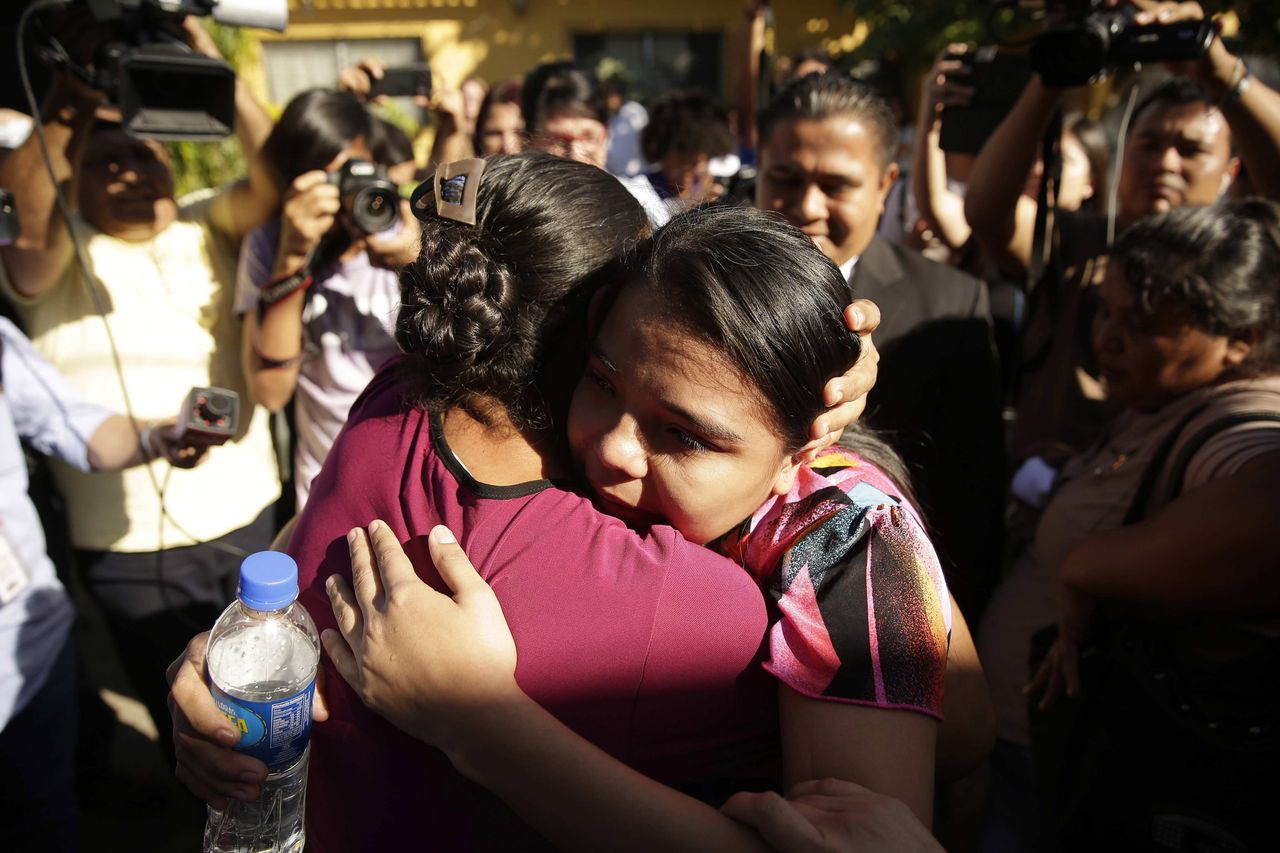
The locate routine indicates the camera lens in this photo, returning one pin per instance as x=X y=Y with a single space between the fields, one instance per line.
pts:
x=215 y=407
x=375 y=209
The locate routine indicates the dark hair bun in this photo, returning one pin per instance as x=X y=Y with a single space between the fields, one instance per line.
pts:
x=484 y=306
x=458 y=302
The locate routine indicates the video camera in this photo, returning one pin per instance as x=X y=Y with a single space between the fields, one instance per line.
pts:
x=209 y=416
x=369 y=199
x=1094 y=39
x=165 y=90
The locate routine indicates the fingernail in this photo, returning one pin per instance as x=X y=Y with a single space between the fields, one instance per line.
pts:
x=443 y=535
x=858 y=317
x=250 y=778
x=352 y=535
x=376 y=525
x=330 y=582
x=228 y=737
x=836 y=397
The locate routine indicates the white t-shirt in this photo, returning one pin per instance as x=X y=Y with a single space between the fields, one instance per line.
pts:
x=168 y=303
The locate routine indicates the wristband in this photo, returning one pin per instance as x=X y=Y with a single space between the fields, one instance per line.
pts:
x=1238 y=90
x=1239 y=87
x=279 y=288
x=267 y=363
x=146 y=437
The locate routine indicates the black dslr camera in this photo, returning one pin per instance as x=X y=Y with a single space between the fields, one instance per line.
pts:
x=165 y=90
x=1094 y=39
x=370 y=201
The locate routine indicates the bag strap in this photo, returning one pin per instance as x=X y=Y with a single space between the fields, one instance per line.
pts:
x=1138 y=509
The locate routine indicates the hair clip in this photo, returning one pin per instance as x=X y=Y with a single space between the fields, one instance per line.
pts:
x=453 y=189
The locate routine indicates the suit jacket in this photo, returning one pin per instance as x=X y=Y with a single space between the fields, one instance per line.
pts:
x=937 y=401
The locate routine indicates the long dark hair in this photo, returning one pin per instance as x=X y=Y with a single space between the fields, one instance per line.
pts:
x=313 y=129
x=483 y=305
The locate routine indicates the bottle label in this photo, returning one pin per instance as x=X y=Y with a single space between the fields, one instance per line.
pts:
x=276 y=732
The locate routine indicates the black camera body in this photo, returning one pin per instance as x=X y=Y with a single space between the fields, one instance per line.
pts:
x=9 y=227
x=1095 y=39
x=998 y=78
x=404 y=81
x=369 y=199
x=163 y=89
x=209 y=416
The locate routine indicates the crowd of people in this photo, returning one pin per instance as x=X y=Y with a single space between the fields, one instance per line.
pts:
x=647 y=483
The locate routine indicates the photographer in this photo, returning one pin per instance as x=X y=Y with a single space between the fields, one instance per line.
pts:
x=324 y=339
x=159 y=548
x=37 y=659
x=1179 y=152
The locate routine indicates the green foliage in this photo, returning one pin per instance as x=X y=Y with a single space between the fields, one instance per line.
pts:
x=907 y=34
x=197 y=165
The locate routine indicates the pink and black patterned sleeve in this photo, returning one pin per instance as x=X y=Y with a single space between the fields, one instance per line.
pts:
x=860 y=606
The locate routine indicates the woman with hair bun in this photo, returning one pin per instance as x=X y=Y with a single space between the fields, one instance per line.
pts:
x=639 y=641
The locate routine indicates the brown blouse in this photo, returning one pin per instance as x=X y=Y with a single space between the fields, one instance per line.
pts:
x=1094 y=492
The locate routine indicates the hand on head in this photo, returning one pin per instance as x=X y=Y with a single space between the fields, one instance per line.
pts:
x=846 y=396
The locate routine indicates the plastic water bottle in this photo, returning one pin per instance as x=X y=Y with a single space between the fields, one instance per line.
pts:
x=262 y=660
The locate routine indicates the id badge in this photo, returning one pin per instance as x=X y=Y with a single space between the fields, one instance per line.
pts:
x=13 y=576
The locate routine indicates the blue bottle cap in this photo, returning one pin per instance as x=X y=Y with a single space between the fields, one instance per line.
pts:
x=268 y=580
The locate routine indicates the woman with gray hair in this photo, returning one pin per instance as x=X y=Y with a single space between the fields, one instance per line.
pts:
x=1155 y=552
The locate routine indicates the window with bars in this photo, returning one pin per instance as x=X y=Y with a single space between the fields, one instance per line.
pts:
x=293 y=66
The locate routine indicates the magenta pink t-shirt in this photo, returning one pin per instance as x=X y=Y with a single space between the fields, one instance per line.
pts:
x=646 y=645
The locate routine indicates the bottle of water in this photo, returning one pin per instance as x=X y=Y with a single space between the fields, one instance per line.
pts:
x=262 y=660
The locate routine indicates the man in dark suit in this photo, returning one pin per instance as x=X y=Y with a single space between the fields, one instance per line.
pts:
x=827 y=164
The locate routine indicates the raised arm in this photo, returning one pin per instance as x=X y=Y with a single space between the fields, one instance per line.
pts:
x=36 y=260
x=272 y=339
x=747 y=81
x=943 y=86
x=252 y=200
x=999 y=174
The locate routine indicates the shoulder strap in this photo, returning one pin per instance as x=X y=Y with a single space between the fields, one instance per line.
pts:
x=1178 y=473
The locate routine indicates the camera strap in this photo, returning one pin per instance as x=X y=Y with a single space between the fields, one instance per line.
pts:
x=1044 y=265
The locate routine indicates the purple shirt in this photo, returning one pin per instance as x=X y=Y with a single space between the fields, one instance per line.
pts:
x=646 y=645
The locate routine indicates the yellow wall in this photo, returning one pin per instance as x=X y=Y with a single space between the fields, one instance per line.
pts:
x=492 y=39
